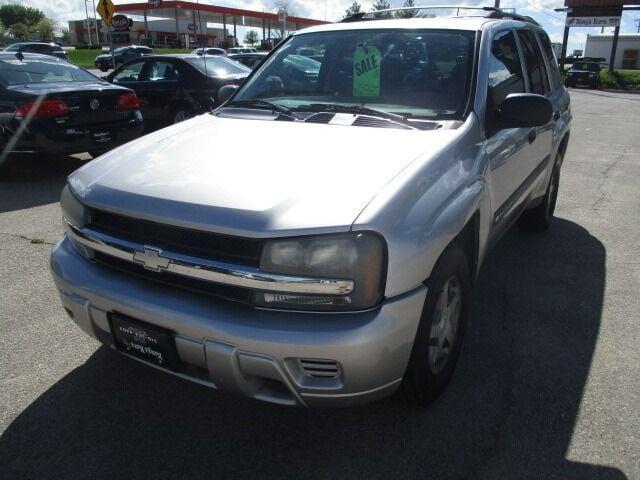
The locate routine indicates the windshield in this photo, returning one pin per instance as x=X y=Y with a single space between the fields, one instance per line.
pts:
x=591 y=67
x=416 y=73
x=18 y=72
x=218 y=66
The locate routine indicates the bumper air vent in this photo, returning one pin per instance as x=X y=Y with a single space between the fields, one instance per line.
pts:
x=319 y=368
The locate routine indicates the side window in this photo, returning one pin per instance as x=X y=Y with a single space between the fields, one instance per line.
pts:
x=554 y=71
x=536 y=70
x=161 y=70
x=505 y=75
x=130 y=73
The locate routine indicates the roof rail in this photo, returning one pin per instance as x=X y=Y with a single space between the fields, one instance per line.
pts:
x=489 y=12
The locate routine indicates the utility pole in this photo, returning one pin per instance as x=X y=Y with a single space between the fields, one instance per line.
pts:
x=86 y=12
x=496 y=4
x=95 y=22
x=637 y=20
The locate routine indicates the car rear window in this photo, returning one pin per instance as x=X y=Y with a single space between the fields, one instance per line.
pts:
x=18 y=72
x=217 y=66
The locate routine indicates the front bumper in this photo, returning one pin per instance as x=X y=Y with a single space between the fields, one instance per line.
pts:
x=65 y=140
x=248 y=351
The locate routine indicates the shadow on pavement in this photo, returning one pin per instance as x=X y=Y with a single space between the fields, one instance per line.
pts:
x=509 y=413
x=35 y=181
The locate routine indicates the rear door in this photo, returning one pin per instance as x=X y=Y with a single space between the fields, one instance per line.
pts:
x=158 y=85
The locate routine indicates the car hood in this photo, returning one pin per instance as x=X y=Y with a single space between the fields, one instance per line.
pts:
x=252 y=177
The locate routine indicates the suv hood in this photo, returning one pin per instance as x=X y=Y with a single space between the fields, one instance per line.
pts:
x=251 y=177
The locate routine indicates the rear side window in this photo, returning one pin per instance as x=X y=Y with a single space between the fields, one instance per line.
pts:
x=536 y=70
x=554 y=71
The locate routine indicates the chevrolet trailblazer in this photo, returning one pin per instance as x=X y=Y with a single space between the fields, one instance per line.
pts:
x=330 y=260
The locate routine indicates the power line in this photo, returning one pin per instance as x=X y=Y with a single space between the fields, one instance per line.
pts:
x=542 y=9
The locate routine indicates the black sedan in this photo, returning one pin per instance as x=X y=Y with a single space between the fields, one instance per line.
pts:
x=251 y=60
x=172 y=88
x=583 y=74
x=38 y=47
x=49 y=106
x=121 y=55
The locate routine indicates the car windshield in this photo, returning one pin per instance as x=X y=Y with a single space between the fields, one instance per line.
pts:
x=31 y=70
x=416 y=73
x=590 y=67
x=218 y=66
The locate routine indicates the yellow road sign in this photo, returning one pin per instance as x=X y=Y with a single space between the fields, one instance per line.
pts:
x=106 y=9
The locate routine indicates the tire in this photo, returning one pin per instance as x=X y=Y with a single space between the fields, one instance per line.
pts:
x=104 y=68
x=538 y=219
x=433 y=358
x=180 y=115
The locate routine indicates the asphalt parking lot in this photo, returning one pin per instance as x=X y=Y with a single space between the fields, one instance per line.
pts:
x=548 y=384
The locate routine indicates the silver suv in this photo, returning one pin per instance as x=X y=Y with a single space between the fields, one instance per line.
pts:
x=328 y=257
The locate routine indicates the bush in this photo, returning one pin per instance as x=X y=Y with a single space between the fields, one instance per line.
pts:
x=624 y=79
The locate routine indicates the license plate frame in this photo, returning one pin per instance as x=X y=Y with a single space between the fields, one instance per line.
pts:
x=152 y=344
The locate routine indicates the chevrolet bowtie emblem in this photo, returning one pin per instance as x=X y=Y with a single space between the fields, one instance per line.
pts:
x=151 y=259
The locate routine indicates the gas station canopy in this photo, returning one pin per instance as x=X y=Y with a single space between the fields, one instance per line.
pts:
x=182 y=10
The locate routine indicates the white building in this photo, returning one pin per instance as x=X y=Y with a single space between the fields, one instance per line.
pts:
x=627 y=53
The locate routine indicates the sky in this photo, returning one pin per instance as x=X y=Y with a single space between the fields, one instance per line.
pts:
x=542 y=10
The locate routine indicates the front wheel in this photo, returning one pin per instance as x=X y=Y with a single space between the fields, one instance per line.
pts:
x=439 y=337
x=104 y=68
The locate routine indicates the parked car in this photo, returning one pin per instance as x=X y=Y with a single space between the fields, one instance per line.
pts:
x=172 y=88
x=210 y=51
x=583 y=74
x=251 y=60
x=334 y=267
x=42 y=48
x=242 y=50
x=121 y=55
x=52 y=107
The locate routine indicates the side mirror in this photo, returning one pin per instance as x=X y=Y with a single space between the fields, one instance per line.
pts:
x=521 y=110
x=226 y=92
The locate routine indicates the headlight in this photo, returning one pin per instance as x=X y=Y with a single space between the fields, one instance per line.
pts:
x=360 y=257
x=72 y=209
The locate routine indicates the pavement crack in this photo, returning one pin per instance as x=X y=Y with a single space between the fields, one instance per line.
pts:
x=32 y=240
x=605 y=177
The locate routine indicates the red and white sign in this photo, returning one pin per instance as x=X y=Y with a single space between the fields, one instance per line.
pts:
x=120 y=22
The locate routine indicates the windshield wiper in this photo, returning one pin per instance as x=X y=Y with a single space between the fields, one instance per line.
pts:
x=359 y=110
x=260 y=103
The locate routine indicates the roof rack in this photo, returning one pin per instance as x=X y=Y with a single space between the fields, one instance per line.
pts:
x=489 y=12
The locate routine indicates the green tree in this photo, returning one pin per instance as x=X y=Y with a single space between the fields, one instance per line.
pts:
x=354 y=9
x=251 y=37
x=65 y=37
x=408 y=13
x=45 y=29
x=381 y=5
x=12 y=14
x=19 y=31
x=2 y=29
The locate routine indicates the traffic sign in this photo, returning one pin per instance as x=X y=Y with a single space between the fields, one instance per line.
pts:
x=106 y=9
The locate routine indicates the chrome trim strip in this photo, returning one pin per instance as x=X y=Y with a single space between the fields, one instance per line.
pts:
x=202 y=269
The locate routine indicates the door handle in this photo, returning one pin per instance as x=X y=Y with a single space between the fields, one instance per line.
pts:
x=532 y=135
x=556 y=115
